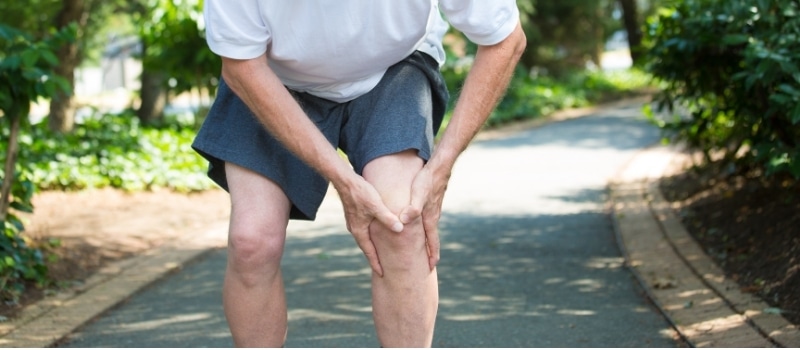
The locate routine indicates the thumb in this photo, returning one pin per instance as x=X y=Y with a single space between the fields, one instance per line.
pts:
x=414 y=209
x=410 y=213
x=385 y=217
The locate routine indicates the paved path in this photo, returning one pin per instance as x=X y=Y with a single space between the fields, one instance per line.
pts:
x=529 y=259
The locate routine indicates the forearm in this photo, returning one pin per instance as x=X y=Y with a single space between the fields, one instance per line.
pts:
x=255 y=83
x=485 y=85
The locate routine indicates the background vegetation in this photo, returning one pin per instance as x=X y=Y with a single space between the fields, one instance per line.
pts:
x=731 y=68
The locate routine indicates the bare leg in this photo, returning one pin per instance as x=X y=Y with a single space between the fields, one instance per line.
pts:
x=253 y=292
x=406 y=298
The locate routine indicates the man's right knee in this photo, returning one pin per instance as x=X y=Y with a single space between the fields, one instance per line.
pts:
x=259 y=215
x=255 y=251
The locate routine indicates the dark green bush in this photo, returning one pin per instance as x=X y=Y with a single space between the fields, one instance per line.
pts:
x=734 y=67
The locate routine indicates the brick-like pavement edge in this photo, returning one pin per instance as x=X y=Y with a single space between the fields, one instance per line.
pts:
x=48 y=321
x=705 y=307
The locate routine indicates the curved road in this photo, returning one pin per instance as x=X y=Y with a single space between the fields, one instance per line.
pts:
x=529 y=259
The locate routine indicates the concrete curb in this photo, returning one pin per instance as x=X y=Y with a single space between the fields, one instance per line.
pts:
x=706 y=308
x=48 y=321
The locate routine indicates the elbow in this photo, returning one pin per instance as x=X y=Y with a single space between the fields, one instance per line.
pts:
x=518 y=42
x=235 y=71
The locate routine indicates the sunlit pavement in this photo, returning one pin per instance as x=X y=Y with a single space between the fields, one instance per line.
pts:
x=529 y=259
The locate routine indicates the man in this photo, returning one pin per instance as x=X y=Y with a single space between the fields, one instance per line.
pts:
x=303 y=77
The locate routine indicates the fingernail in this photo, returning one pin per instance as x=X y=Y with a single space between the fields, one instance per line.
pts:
x=398 y=227
x=404 y=218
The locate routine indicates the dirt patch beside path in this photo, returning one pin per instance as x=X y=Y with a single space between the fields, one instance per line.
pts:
x=97 y=227
x=750 y=226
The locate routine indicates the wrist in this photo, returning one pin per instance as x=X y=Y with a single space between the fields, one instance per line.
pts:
x=344 y=179
x=442 y=162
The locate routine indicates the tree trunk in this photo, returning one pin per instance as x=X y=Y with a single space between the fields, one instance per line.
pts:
x=11 y=160
x=153 y=95
x=62 y=109
x=630 y=18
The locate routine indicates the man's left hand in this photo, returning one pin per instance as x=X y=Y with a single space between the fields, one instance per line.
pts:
x=427 y=193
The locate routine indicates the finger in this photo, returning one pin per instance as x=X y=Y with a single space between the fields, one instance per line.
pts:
x=409 y=214
x=369 y=250
x=432 y=241
x=414 y=210
x=388 y=219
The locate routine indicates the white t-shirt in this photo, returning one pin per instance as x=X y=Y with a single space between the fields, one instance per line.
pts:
x=340 y=49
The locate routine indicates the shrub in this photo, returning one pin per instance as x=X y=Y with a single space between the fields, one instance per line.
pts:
x=114 y=150
x=733 y=65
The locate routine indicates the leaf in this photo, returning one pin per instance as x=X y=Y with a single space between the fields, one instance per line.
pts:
x=25 y=208
x=49 y=57
x=11 y=62
x=735 y=39
x=788 y=89
x=29 y=58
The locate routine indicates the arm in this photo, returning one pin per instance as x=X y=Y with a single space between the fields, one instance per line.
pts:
x=255 y=83
x=485 y=85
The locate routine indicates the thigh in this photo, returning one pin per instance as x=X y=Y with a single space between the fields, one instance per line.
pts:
x=401 y=113
x=256 y=201
x=231 y=133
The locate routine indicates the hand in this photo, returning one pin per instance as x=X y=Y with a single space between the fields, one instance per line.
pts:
x=363 y=205
x=427 y=193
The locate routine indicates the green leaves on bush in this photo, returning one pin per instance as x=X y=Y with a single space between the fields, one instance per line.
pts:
x=734 y=66
x=113 y=151
x=19 y=262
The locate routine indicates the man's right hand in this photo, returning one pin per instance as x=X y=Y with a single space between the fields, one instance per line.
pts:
x=363 y=205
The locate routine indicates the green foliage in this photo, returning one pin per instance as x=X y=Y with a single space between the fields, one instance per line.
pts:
x=26 y=69
x=19 y=261
x=34 y=16
x=114 y=151
x=564 y=35
x=26 y=74
x=173 y=36
x=733 y=66
x=530 y=97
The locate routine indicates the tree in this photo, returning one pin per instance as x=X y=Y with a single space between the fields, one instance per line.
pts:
x=62 y=109
x=565 y=34
x=39 y=17
x=175 y=56
x=633 y=27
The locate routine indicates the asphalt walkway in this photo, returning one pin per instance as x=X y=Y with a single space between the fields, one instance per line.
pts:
x=529 y=259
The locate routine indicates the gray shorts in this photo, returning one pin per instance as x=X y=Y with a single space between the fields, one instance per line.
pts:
x=403 y=112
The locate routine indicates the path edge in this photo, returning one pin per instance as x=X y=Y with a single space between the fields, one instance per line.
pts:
x=49 y=321
x=683 y=282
